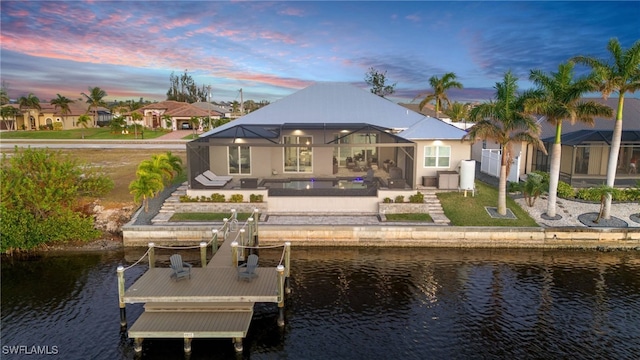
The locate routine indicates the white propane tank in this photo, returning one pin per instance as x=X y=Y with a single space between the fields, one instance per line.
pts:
x=467 y=174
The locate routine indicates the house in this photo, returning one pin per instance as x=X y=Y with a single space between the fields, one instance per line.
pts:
x=47 y=116
x=585 y=150
x=329 y=131
x=170 y=114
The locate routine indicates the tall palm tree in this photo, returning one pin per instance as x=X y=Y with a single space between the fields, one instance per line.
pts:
x=29 y=102
x=62 y=103
x=175 y=162
x=9 y=113
x=83 y=121
x=505 y=122
x=439 y=94
x=158 y=164
x=95 y=99
x=621 y=74
x=559 y=100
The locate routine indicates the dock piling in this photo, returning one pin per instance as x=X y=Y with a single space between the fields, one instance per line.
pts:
x=280 y=270
x=287 y=266
x=237 y=344
x=187 y=345
x=214 y=241
x=234 y=254
x=123 y=310
x=137 y=345
x=203 y=254
x=152 y=255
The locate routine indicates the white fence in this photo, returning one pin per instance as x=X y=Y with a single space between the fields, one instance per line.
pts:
x=491 y=159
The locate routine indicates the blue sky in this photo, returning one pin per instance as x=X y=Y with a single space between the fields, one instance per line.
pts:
x=271 y=49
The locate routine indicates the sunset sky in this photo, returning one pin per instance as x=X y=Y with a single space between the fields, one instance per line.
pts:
x=271 y=49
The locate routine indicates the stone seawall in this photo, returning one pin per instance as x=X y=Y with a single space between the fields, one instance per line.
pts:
x=397 y=236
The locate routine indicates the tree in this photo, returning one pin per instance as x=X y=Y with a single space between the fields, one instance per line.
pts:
x=9 y=113
x=152 y=174
x=167 y=121
x=621 y=74
x=29 y=102
x=135 y=117
x=41 y=193
x=505 y=122
x=457 y=112
x=145 y=186
x=4 y=96
x=560 y=99
x=195 y=123
x=439 y=93
x=62 y=103
x=83 y=121
x=95 y=99
x=184 y=89
x=377 y=80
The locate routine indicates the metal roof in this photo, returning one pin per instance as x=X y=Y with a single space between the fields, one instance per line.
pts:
x=432 y=129
x=329 y=103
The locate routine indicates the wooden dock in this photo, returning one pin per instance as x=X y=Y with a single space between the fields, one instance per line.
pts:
x=213 y=303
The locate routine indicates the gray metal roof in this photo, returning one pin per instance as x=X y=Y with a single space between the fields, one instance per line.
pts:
x=432 y=129
x=330 y=103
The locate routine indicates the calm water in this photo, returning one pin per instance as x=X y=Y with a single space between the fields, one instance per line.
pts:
x=356 y=304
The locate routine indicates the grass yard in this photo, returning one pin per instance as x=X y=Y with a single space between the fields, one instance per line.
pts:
x=409 y=217
x=76 y=134
x=470 y=211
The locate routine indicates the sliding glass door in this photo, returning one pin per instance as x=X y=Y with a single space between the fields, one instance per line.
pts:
x=298 y=159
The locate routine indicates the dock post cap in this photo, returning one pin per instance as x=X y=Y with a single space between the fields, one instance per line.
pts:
x=233 y=210
x=120 y=268
x=225 y=219
x=256 y=210
x=287 y=243
x=152 y=244
x=203 y=244
x=215 y=231
x=250 y=219
x=234 y=244
x=242 y=230
x=280 y=268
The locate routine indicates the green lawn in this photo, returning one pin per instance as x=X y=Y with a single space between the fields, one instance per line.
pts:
x=206 y=216
x=470 y=211
x=89 y=134
x=409 y=217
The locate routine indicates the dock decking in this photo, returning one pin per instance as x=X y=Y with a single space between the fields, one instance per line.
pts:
x=213 y=303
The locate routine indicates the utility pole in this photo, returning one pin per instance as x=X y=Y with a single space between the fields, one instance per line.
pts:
x=241 y=103
x=209 y=106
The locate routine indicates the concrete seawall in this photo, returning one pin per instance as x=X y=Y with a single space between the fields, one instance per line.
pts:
x=397 y=236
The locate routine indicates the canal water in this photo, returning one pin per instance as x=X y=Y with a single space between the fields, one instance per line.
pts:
x=365 y=303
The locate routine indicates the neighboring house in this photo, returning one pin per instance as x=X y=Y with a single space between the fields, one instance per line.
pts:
x=48 y=115
x=585 y=149
x=328 y=129
x=179 y=114
x=211 y=109
x=429 y=110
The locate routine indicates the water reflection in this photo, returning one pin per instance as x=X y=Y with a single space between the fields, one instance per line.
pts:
x=358 y=304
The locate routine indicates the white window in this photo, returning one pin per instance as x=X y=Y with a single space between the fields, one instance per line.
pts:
x=437 y=156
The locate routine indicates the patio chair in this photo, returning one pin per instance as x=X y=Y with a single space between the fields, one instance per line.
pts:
x=180 y=268
x=212 y=176
x=247 y=271
x=207 y=182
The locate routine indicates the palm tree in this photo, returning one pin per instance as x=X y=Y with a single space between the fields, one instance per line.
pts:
x=195 y=123
x=439 y=94
x=505 y=122
x=175 y=162
x=559 y=100
x=145 y=186
x=621 y=75
x=95 y=99
x=83 y=120
x=158 y=164
x=457 y=112
x=7 y=113
x=29 y=102
x=62 y=102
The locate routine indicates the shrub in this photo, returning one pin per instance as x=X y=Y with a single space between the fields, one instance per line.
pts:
x=256 y=198
x=417 y=198
x=387 y=200
x=187 y=198
x=514 y=187
x=236 y=198
x=217 y=197
x=565 y=190
x=399 y=199
x=532 y=188
x=57 y=126
x=42 y=195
